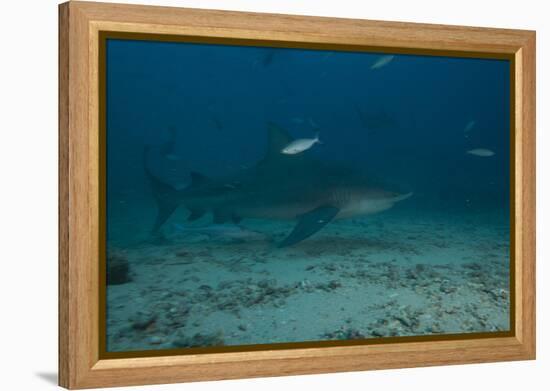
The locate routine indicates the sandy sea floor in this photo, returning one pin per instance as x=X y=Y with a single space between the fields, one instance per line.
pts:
x=393 y=274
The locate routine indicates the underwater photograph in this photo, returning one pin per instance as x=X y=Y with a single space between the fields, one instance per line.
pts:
x=271 y=195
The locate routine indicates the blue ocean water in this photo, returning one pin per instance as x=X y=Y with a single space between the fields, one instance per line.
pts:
x=192 y=121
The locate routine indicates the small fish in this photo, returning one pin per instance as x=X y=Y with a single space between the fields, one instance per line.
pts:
x=298 y=120
x=469 y=126
x=481 y=152
x=300 y=145
x=232 y=185
x=382 y=62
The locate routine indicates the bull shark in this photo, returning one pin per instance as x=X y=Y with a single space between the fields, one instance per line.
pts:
x=283 y=187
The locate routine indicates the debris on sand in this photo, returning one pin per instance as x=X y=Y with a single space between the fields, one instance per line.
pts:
x=118 y=268
x=199 y=340
x=344 y=334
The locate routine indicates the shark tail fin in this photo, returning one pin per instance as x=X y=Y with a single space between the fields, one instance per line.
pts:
x=166 y=196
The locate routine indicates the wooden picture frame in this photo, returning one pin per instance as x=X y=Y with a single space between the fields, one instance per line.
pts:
x=81 y=364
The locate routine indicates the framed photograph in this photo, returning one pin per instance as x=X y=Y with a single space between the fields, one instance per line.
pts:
x=247 y=195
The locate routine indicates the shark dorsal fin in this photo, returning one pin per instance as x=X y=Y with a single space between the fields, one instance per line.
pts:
x=277 y=139
x=198 y=179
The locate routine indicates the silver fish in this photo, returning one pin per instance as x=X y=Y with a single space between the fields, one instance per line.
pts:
x=300 y=145
x=481 y=152
x=382 y=62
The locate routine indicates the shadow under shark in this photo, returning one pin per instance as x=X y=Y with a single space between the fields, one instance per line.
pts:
x=283 y=187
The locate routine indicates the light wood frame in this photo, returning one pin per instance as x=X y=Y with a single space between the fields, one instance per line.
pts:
x=80 y=23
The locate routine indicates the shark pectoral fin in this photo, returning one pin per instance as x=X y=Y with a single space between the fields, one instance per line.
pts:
x=309 y=223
